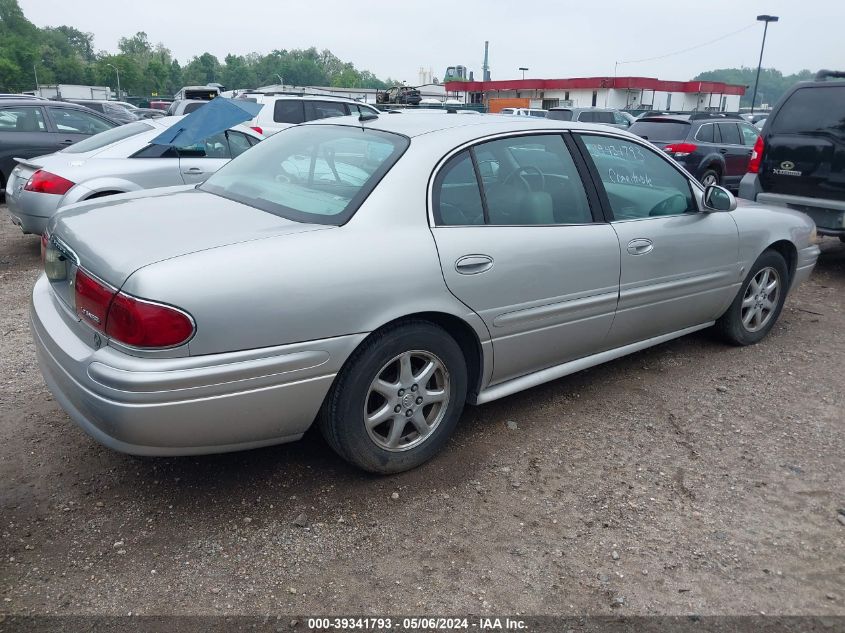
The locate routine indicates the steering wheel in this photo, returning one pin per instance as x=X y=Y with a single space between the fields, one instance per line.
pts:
x=673 y=205
x=521 y=172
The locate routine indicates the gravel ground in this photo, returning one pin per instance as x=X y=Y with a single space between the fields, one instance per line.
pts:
x=689 y=478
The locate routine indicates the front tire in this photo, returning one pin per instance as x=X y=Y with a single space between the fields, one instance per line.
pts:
x=397 y=399
x=759 y=302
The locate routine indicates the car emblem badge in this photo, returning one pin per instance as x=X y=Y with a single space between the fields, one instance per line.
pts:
x=408 y=401
x=787 y=168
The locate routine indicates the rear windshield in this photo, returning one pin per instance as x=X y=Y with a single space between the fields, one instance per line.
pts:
x=190 y=107
x=311 y=173
x=108 y=137
x=660 y=130
x=560 y=115
x=817 y=109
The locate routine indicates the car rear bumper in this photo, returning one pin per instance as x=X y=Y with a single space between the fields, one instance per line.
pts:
x=29 y=210
x=829 y=215
x=182 y=406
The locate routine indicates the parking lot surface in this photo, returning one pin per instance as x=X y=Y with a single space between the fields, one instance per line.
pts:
x=693 y=477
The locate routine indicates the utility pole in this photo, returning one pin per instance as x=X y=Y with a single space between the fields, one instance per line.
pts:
x=118 y=79
x=523 y=69
x=765 y=19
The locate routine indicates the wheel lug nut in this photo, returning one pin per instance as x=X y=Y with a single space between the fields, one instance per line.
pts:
x=419 y=400
x=401 y=392
x=414 y=387
x=397 y=408
x=408 y=413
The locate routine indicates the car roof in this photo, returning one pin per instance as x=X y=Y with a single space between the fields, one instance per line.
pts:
x=671 y=119
x=482 y=125
x=41 y=102
x=304 y=97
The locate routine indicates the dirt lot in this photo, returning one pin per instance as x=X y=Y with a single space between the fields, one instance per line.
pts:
x=689 y=478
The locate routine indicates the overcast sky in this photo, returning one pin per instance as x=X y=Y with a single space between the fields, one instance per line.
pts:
x=553 y=38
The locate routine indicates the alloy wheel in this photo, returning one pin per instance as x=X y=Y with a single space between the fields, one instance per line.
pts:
x=406 y=400
x=761 y=299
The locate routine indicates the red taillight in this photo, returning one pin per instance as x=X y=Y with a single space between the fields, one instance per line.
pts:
x=681 y=149
x=756 y=157
x=45 y=182
x=257 y=129
x=92 y=300
x=129 y=320
x=143 y=324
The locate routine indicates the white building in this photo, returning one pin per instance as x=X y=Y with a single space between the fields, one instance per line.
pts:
x=623 y=93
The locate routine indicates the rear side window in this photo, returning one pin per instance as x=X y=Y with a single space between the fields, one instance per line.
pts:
x=705 y=133
x=457 y=199
x=661 y=130
x=78 y=121
x=749 y=134
x=596 y=117
x=288 y=111
x=818 y=109
x=560 y=115
x=324 y=110
x=108 y=137
x=730 y=133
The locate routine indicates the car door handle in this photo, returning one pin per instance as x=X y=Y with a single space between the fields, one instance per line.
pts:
x=193 y=170
x=473 y=264
x=640 y=246
x=67 y=141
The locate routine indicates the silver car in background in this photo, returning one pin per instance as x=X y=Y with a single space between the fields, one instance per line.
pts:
x=376 y=273
x=117 y=161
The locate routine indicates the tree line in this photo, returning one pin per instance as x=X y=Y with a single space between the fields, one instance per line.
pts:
x=773 y=83
x=64 y=54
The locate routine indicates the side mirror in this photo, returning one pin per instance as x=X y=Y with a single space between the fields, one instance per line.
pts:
x=718 y=198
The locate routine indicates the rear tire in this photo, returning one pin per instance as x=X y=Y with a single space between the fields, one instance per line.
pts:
x=759 y=302
x=710 y=177
x=397 y=399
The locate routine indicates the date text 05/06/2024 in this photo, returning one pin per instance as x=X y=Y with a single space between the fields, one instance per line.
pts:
x=416 y=624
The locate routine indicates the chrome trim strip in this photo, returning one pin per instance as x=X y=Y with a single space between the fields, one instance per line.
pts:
x=550 y=310
x=559 y=371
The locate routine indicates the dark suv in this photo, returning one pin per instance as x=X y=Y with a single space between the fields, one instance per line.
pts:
x=715 y=148
x=799 y=161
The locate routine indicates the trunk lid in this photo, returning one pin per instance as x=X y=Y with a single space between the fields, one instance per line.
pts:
x=115 y=236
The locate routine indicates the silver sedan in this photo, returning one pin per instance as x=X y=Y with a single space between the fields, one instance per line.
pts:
x=376 y=274
x=116 y=161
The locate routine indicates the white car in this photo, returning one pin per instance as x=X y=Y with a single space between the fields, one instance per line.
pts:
x=535 y=112
x=119 y=160
x=280 y=111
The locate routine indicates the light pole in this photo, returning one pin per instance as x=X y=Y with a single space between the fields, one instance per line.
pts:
x=765 y=19
x=523 y=69
x=35 y=70
x=117 y=72
x=281 y=81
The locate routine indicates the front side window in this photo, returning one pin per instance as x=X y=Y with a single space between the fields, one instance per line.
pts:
x=22 y=119
x=78 y=121
x=215 y=146
x=639 y=183
x=317 y=174
x=525 y=180
x=238 y=143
